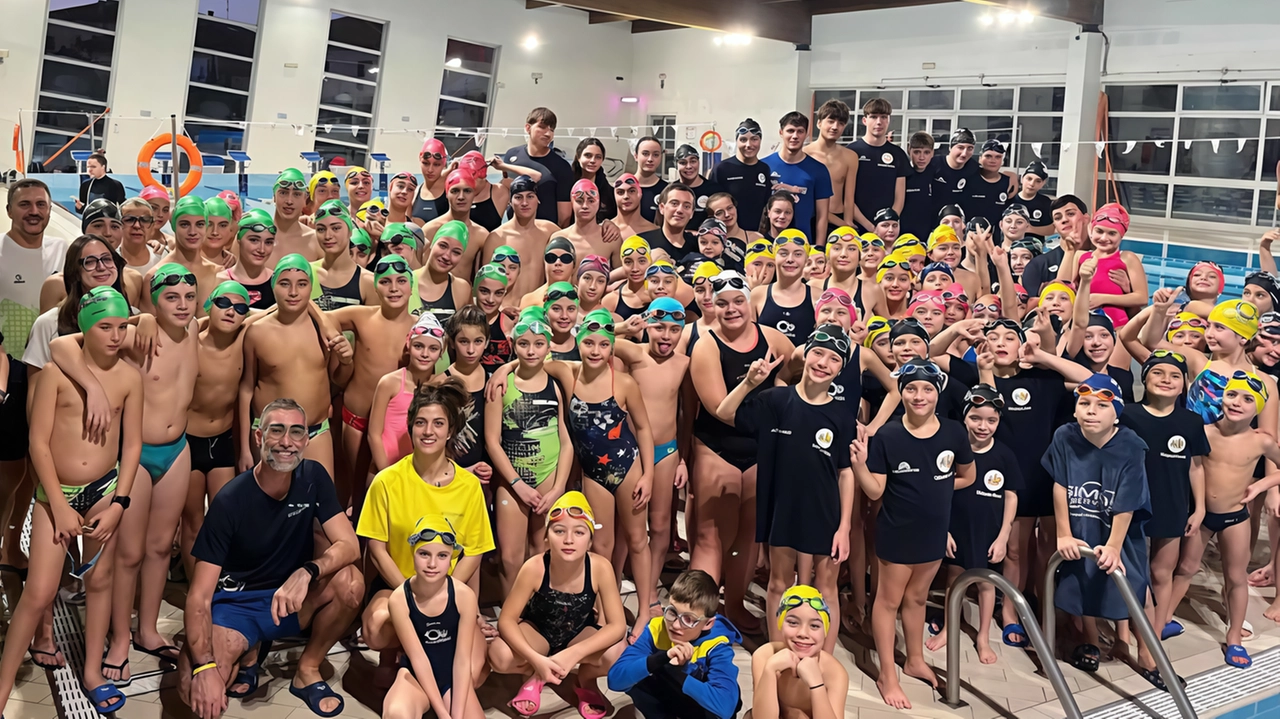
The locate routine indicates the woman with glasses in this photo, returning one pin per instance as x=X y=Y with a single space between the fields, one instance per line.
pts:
x=915 y=464
x=439 y=291
x=559 y=261
x=342 y=282
x=427 y=480
x=434 y=617
x=138 y=218
x=429 y=201
x=723 y=207
x=635 y=266
x=256 y=240
x=89 y=263
x=563 y=611
x=797 y=676
x=724 y=466
x=787 y=303
x=982 y=513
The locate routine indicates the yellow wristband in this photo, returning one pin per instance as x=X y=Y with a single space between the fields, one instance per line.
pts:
x=197 y=670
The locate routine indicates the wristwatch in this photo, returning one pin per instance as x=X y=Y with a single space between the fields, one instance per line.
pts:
x=122 y=501
x=313 y=569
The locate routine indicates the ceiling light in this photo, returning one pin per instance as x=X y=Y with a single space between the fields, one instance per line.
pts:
x=719 y=40
x=530 y=42
x=733 y=38
x=373 y=71
x=987 y=19
x=1025 y=16
x=454 y=62
x=1006 y=17
x=631 y=99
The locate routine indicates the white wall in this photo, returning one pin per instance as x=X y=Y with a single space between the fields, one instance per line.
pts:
x=150 y=74
x=714 y=83
x=22 y=34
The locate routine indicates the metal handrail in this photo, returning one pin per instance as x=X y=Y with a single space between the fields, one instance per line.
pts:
x=1137 y=617
x=1028 y=617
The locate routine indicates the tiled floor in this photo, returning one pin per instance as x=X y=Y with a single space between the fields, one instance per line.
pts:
x=1010 y=688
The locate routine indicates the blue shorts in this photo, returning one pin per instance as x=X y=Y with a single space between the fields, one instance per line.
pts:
x=249 y=613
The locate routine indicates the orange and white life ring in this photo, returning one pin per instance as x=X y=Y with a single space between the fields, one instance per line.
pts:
x=193 y=156
x=710 y=141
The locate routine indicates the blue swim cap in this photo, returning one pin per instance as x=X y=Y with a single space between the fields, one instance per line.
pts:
x=665 y=309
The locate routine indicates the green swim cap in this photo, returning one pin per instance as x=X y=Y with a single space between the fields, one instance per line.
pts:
x=100 y=303
x=335 y=208
x=454 y=229
x=291 y=179
x=492 y=271
x=230 y=287
x=162 y=278
x=217 y=207
x=399 y=232
x=392 y=265
x=532 y=319
x=558 y=291
x=189 y=205
x=360 y=238
x=597 y=322
x=505 y=253
x=293 y=262
x=256 y=220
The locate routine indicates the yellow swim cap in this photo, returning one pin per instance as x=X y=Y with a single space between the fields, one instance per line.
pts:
x=790 y=235
x=634 y=243
x=760 y=255
x=705 y=272
x=315 y=180
x=799 y=596
x=572 y=505
x=816 y=251
x=898 y=258
x=1185 y=321
x=942 y=234
x=1242 y=381
x=1238 y=316
x=843 y=233
x=1057 y=286
x=876 y=326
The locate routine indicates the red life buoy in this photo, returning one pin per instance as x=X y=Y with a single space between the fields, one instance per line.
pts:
x=148 y=151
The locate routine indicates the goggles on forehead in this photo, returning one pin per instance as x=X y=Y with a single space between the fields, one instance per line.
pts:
x=362 y=175
x=990 y=307
x=1250 y=379
x=447 y=538
x=948 y=296
x=291 y=185
x=326 y=181
x=596 y=326
x=258 y=227
x=629 y=181
x=433 y=156
x=656 y=269
x=794 y=601
x=1085 y=390
x=878 y=243
x=172 y=280
x=629 y=251
x=573 y=512
x=1200 y=324
x=586 y=193
x=890 y=264
x=334 y=211
x=736 y=283
x=1003 y=323
x=395 y=264
x=553 y=295
x=841 y=343
x=1170 y=353
x=980 y=400
x=829 y=296
x=748 y=131
x=926 y=370
x=664 y=315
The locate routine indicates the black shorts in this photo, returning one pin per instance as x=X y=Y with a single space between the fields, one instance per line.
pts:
x=210 y=453
x=13 y=414
x=1217 y=522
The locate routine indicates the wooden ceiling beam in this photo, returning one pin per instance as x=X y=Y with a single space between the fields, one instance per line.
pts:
x=596 y=18
x=639 y=26
x=789 y=22
x=1081 y=12
x=828 y=7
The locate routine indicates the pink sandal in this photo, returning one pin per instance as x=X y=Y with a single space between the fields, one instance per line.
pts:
x=588 y=698
x=531 y=692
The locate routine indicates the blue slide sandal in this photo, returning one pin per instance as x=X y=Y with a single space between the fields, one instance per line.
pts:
x=1015 y=628
x=106 y=694
x=313 y=694
x=1173 y=629
x=247 y=676
x=1236 y=652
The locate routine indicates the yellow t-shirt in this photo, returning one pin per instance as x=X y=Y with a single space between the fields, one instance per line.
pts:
x=398 y=498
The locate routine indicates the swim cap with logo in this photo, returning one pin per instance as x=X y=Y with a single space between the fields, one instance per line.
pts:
x=98 y=304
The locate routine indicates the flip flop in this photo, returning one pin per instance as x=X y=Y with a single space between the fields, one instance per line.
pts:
x=1236 y=651
x=120 y=683
x=1173 y=629
x=44 y=665
x=1085 y=658
x=1015 y=628
x=588 y=698
x=157 y=652
x=531 y=692
x=313 y=694
x=106 y=693
x=246 y=675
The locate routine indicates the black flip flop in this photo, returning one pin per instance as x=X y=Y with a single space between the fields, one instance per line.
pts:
x=1086 y=657
x=44 y=665
x=158 y=652
x=122 y=682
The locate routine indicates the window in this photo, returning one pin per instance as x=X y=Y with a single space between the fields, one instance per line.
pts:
x=221 y=76
x=466 y=89
x=75 y=78
x=1198 y=152
x=349 y=90
x=664 y=128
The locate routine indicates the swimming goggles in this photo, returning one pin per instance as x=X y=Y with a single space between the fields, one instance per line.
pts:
x=225 y=303
x=843 y=237
x=291 y=185
x=978 y=400
x=400 y=237
x=362 y=175
x=990 y=307
x=798 y=240
x=1169 y=353
x=901 y=244
x=634 y=250
x=841 y=342
x=890 y=264
x=504 y=257
x=325 y=181
x=586 y=193
x=409 y=176
x=553 y=295
x=534 y=326
x=1252 y=380
x=258 y=227
x=625 y=181
x=558 y=258
x=419 y=330
x=872 y=243
x=394 y=263
x=171 y=281
x=1268 y=324
x=1085 y=390
x=658 y=268
x=572 y=512
x=793 y=601
x=927 y=370
x=1004 y=323
x=948 y=296
x=718 y=284
x=78 y=571
x=878 y=324
x=662 y=316
x=333 y=211
x=688 y=620
x=841 y=297
x=596 y=326
x=713 y=230
x=748 y=131
x=448 y=539
x=433 y=156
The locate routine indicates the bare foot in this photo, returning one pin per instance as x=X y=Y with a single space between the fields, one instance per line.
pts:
x=921 y=671
x=986 y=654
x=488 y=630
x=891 y=690
x=1261 y=577
x=937 y=642
x=1273 y=611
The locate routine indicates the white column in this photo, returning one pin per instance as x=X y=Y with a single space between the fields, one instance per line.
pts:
x=1080 y=117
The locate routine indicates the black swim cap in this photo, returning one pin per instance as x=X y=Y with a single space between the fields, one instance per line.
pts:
x=993 y=145
x=686 y=151
x=951 y=211
x=97 y=210
x=1038 y=169
x=523 y=183
x=962 y=136
x=908 y=326
x=888 y=214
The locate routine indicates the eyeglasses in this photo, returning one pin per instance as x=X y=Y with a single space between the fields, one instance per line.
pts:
x=571 y=512
x=794 y=601
x=172 y=280
x=664 y=315
x=635 y=250
x=1085 y=390
x=553 y=295
x=277 y=432
x=688 y=620
x=829 y=296
x=291 y=185
x=135 y=220
x=226 y=303
x=558 y=258
x=259 y=227
x=448 y=539
x=979 y=400
x=1169 y=353
x=596 y=326
x=91 y=264
x=841 y=343
x=625 y=181
x=991 y=307
x=332 y=211
x=737 y=283
x=432 y=156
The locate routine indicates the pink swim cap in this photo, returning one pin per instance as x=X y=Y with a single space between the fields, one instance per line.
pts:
x=459 y=177
x=231 y=199
x=585 y=186
x=434 y=146
x=834 y=294
x=154 y=192
x=1112 y=215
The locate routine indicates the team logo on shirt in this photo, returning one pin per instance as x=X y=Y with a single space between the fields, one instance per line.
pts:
x=702 y=202
x=946 y=458
x=994 y=480
x=835 y=390
x=786 y=327
x=904 y=467
x=513 y=158
x=824 y=437
x=1177 y=443
x=1021 y=396
x=1004 y=196
x=887 y=158
x=435 y=636
x=1053 y=269
x=960 y=185
x=1036 y=214
x=760 y=179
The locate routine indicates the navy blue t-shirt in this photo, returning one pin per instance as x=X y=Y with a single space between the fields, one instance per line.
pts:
x=1172 y=442
x=814 y=181
x=919 y=214
x=555 y=183
x=260 y=541
x=951 y=186
x=749 y=185
x=879 y=167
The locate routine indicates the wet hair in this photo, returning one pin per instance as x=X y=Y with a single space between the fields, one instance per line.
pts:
x=796 y=119
x=586 y=142
x=697 y=589
x=834 y=109
x=75 y=286
x=1063 y=200
x=23 y=184
x=775 y=197
x=920 y=140
x=468 y=316
x=452 y=395
x=877 y=106
x=541 y=115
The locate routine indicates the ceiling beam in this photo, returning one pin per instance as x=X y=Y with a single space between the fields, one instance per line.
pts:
x=1081 y=12
x=638 y=26
x=596 y=18
x=788 y=22
x=535 y=4
x=827 y=7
